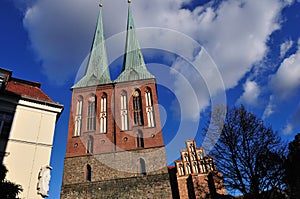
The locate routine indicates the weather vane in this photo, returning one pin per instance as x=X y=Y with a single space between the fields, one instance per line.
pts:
x=100 y=4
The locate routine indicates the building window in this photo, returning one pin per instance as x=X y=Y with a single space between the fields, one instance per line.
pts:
x=202 y=166
x=200 y=154
x=88 y=173
x=185 y=157
x=137 y=108
x=142 y=167
x=188 y=168
x=5 y=123
x=195 y=167
x=149 y=108
x=91 y=123
x=90 y=144
x=78 y=117
x=124 y=112
x=103 y=114
x=140 y=139
x=210 y=164
x=180 y=169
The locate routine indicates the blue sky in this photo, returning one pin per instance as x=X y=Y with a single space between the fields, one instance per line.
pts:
x=202 y=52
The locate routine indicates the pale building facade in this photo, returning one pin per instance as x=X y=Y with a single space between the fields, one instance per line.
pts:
x=27 y=122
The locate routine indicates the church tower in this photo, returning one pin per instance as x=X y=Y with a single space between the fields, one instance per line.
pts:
x=115 y=147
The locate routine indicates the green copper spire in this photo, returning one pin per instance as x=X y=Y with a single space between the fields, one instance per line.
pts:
x=97 y=71
x=134 y=67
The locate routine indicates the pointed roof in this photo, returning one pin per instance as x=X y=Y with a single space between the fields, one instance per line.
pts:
x=134 y=67
x=97 y=71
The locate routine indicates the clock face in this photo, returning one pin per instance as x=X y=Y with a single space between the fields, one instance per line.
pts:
x=136 y=94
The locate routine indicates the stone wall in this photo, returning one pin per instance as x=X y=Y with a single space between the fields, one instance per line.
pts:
x=114 y=165
x=141 y=187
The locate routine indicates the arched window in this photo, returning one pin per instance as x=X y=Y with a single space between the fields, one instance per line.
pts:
x=180 y=169
x=188 y=168
x=195 y=167
x=137 y=108
x=210 y=164
x=142 y=167
x=185 y=156
x=90 y=144
x=91 y=122
x=149 y=108
x=202 y=166
x=78 y=116
x=103 y=114
x=124 y=112
x=200 y=154
x=140 y=139
x=88 y=173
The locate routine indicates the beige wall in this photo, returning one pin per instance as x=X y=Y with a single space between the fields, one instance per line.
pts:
x=30 y=145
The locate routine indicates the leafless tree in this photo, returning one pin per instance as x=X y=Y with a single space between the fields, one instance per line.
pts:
x=249 y=154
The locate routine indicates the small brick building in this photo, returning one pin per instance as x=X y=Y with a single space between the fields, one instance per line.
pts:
x=195 y=174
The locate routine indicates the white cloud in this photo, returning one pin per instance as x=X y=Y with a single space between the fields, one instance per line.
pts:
x=235 y=34
x=61 y=34
x=285 y=46
x=270 y=109
x=289 y=2
x=251 y=93
x=287 y=78
x=288 y=129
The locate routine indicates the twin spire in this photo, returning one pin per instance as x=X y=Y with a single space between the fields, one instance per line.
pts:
x=97 y=71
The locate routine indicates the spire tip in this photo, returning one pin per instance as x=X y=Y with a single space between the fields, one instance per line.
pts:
x=129 y=1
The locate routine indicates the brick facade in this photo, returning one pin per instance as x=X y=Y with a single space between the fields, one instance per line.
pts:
x=115 y=159
x=196 y=174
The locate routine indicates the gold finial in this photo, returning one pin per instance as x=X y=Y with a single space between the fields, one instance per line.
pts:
x=129 y=1
x=100 y=4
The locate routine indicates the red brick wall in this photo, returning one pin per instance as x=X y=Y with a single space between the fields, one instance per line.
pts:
x=124 y=140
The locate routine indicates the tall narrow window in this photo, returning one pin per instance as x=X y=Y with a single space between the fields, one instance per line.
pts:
x=202 y=166
x=103 y=115
x=137 y=108
x=88 y=173
x=78 y=117
x=142 y=167
x=124 y=112
x=200 y=154
x=195 y=167
x=180 y=169
x=5 y=123
x=149 y=108
x=188 y=168
x=140 y=139
x=90 y=144
x=91 y=122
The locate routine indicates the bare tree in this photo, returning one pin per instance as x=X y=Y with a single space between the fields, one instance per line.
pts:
x=249 y=154
x=292 y=166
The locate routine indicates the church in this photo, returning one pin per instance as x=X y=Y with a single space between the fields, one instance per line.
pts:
x=115 y=146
